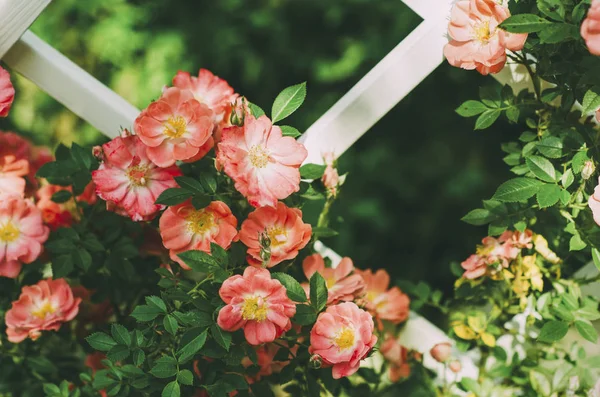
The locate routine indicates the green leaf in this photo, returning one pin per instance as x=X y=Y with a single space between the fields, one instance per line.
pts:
x=164 y=369
x=101 y=341
x=221 y=337
x=82 y=156
x=553 y=331
x=517 y=189
x=579 y=161
x=552 y=8
x=288 y=101
x=548 y=195
x=562 y=312
x=323 y=232
x=527 y=136
x=62 y=266
x=191 y=348
x=293 y=288
x=478 y=217
x=171 y=390
x=145 y=313
x=567 y=178
x=255 y=110
x=541 y=168
x=551 y=147
x=558 y=32
x=591 y=101
x=118 y=353
x=199 y=261
x=305 y=315
x=51 y=389
x=82 y=258
x=209 y=183
x=312 y=171
x=471 y=108
x=170 y=324
x=185 y=377
x=576 y=243
x=173 y=196
x=524 y=23
x=512 y=114
x=219 y=254
x=61 y=196
x=156 y=302
x=138 y=357
x=189 y=184
x=200 y=201
x=586 y=330
x=120 y=334
x=286 y=130
x=596 y=257
x=318 y=292
x=487 y=118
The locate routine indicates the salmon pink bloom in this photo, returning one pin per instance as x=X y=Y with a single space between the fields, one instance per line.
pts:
x=331 y=178
x=7 y=92
x=397 y=356
x=262 y=162
x=476 y=42
x=22 y=234
x=15 y=145
x=58 y=215
x=277 y=232
x=385 y=304
x=208 y=89
x=590 y=28
x=129 y=182
x=342 y=337
x=12 y=173
x=41 y=307
x=184 y=228
x=174 y=127
x=256 y=303
x=495 y=254
x=341 y=285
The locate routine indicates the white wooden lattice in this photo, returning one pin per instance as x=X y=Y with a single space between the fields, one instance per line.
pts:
x=351 y=117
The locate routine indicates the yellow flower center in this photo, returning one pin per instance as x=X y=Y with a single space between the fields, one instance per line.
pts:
x=330 y=282
x=44 y=310
x=482 y=32
x=345 y=339
x=277 y=235
x=254 y=308
x=137 y=175
x=200 y=221
x=9 y=233
x=175 y=127
x=259 y=157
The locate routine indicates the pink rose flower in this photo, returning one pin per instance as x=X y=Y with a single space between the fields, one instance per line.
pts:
x=495 y=254
x=208 y=89
x=129 y=182
x=330 y=178
x=441 y=352
x=342 y=337
x=283 y=226
x=184 y=228
x=12 y=172
x=397 y=356
x=41 y=307
x=262 y=162
x=341 y=285
x=257 y=304
x=594 y=203
x=22 y=234
x=385 y=304
x=476 y=42
x=174 y=127
x=590 y=28
x=7 y=93
x=64 y=214
x=15 y=145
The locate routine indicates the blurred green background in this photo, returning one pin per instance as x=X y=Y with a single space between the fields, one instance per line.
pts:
x=411 y=177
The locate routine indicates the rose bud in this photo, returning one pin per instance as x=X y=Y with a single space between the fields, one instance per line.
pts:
x=588 y=169
x=455 y=366
x=441 y=352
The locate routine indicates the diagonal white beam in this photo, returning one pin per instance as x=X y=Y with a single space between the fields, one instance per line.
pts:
x=15 y=17
x=380 y=90
x=70 y=85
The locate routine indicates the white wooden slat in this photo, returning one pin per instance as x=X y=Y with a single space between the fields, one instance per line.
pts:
x=15 y=17
x=428 y=8
x=70 y=85
x=380 y=90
